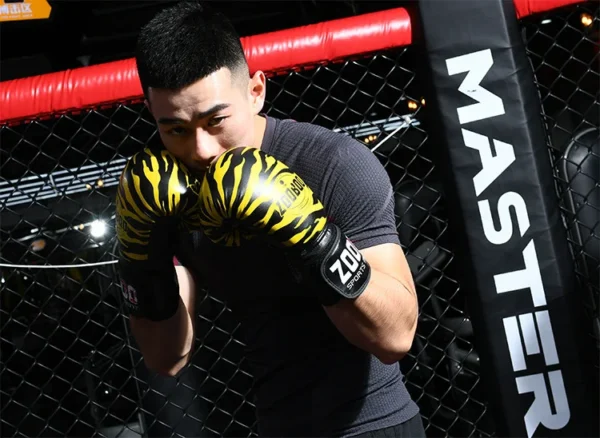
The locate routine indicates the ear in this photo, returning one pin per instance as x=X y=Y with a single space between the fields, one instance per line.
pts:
x=257 y=89
x=147 y=104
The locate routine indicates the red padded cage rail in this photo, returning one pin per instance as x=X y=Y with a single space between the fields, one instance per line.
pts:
x=103 y=84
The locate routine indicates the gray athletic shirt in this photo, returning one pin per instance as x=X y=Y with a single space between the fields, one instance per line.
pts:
x=309 y=380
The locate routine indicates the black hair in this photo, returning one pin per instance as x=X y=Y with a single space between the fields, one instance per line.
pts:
x=185 y=43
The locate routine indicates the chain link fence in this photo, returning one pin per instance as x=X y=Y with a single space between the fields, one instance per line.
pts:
x=563 y=46
x=69 y=364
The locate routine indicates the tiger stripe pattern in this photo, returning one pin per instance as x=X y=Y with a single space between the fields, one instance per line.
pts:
x=248 y=186
x=152 y=185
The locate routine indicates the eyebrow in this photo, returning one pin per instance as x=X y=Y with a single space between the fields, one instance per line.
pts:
x=174 y=120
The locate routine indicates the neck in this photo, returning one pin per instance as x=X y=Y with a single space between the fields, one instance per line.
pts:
x=260 y=126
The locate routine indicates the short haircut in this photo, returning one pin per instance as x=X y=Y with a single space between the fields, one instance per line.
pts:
x=185 y=43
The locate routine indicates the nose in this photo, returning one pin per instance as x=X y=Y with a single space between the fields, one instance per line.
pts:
x=206 y=149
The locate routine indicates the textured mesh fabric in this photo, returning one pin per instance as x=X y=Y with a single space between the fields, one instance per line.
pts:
x=309 y=380
x=412 y=428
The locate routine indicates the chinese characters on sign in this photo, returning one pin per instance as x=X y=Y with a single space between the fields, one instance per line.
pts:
x=24 y=10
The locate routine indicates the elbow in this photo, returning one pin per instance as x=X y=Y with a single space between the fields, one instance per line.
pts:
x=390 y=356
x=394 y=349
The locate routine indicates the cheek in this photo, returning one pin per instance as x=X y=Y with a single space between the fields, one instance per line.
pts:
x=170 y=145
x=177 y=148
x=238 y=133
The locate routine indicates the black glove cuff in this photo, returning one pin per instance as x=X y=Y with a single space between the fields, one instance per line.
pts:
x=336 y=268
x=149 y=292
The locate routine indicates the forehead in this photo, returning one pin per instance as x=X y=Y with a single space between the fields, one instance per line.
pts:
x=214 y=89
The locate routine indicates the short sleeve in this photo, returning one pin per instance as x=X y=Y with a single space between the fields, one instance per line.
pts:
x=360 y=196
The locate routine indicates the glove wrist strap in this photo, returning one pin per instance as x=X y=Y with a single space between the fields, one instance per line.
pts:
x=336 y=267
x=149 y=290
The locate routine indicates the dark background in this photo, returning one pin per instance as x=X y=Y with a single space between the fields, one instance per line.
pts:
x=80 y=33
x=83 y=33
x=62 y=336
x=563 y=53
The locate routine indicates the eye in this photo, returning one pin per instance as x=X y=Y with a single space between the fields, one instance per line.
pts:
x=216 y=121
x=178 y=131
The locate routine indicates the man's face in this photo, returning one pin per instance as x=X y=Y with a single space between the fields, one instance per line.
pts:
x=200 y=122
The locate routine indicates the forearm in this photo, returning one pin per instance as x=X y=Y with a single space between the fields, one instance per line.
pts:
x=167 y=346
x=382 y=320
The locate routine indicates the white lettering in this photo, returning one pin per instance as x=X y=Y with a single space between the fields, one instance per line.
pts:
x=344 y=275
x=528 y=278
x=476 y=64
x=129 y=293
x=511 y=330
x=530 y=336
x=507 y=200
x=357 y=277
x=528 y=333
x=492 y=166
x=547 y=337
x=540 y=411
x=350 y=262
x=350 y=257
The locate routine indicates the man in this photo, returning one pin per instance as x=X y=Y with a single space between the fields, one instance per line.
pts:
x=324 y=364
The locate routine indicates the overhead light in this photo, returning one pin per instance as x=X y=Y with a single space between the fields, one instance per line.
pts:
x=547 y=21
x=586 y=19
x=38 y=245
x=412 y=105
x=66 y=182
x=98 y=228
x=370 y=138
x=100 y=183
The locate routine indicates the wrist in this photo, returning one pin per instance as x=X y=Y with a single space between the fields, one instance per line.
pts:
x=334 y=267
x=139 y=280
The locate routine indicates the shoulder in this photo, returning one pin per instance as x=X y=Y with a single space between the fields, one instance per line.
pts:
x=352 y=183
x=318 y=141
x=309 y=131
x=326 y=157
